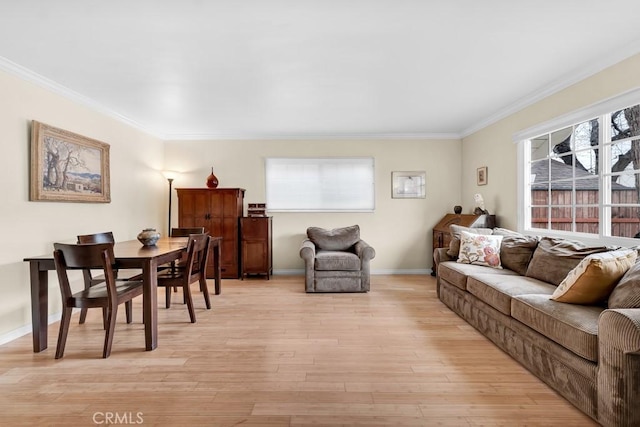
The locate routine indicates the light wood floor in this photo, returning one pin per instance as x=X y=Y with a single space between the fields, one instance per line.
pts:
x=269 y=354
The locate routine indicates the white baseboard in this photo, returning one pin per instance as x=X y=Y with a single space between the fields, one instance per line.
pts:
x=26 y=329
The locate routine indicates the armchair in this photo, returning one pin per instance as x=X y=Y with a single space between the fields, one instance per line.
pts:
x=336 y=260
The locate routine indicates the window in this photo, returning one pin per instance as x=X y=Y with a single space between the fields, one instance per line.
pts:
x=320 y=184
x=584 y=176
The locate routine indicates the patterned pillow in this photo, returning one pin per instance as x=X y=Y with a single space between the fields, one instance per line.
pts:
x=455 y=230
x=480 y=249
x=593 y=279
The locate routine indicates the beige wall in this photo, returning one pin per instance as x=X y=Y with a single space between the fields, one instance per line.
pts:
x=399 y=229
x=493 y=146
x=138 y=191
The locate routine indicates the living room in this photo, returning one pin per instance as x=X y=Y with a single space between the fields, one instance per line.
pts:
x=400 y=230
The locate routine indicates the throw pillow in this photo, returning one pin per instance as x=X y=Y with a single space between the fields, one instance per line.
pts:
x=338 y=239
x=594 y=277
x=454 y=230
x=516 y=249
x=626 y=294
x=555 y=257
x=480 y=249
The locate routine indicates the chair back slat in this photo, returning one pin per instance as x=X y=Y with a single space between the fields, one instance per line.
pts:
x=186 y=231
x=105 y=237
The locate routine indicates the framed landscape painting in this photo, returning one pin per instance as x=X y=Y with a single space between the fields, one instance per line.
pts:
x=67 y=167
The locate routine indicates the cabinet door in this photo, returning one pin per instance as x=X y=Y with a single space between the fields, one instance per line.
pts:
x=254 y=253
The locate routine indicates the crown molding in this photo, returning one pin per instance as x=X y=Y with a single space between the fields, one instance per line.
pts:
x=309 y=137
x=577 y=75
x=39 y=80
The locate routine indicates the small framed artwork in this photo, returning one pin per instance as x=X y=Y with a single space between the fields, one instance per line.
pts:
x=408 y=185
x=67 y=167
x=482 y=175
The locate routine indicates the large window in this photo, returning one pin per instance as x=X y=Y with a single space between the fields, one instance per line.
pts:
x=336 y=184
x=584 y=177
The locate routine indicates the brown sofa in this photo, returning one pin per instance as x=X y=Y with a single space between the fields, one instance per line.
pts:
x=590 y=354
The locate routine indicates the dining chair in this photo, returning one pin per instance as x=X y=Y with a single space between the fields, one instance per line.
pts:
x=186 y=231
x=89 y=278
x=108 y=295
x=194 y=269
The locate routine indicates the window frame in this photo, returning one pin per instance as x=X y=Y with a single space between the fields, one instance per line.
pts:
x=602 y=111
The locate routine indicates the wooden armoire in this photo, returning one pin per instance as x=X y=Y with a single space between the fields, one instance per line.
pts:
x=218 y=210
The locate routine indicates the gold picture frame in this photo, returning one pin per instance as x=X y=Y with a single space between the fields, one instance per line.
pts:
x=408 y=185
x=482 y=176
x=67 y=167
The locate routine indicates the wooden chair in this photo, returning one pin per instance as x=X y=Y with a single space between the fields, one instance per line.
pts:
x=89 y=279
x=194 y=270
x=108 y=296
x=186 y=231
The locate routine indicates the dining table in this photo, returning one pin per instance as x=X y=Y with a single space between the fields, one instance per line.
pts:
x=130 y=254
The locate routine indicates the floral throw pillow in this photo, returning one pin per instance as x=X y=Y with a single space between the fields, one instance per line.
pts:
x=480 y=249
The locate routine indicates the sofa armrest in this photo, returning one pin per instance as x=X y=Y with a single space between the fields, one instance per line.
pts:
x=441 y=255
x=308 y=254
x=619 y=367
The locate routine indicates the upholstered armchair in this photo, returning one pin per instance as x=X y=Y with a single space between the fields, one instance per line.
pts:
x=336 y=260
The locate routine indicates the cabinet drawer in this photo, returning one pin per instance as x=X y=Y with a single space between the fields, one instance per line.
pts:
x=255 y=228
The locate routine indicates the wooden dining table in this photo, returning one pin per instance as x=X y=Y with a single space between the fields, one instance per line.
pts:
x=129 y=254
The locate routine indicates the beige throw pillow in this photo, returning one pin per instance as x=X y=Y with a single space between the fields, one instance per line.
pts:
x=454 y=230
x=480 y=249
x=593 y=279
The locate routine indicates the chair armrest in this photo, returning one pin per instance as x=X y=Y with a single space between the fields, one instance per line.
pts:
x=308 y=254
x=364 y=251
x=307 y=250
x=619 y=367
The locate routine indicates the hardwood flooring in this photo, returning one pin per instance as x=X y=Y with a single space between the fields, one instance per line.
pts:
x=268 y=354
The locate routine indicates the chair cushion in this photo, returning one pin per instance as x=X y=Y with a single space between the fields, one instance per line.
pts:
x=336 y=260
x=338 y=239
x=575 y=327
x=497 y=290
x=626 y=294
x=594 y=278
x=555 y=257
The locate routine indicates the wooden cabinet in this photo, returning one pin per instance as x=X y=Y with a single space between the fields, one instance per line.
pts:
x=442 y=236
x=255 y=236
x=219 y=211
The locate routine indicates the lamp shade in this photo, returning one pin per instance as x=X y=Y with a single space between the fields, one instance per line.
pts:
x=170 y=174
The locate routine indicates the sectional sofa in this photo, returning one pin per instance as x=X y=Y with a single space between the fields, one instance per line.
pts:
x=587 y=352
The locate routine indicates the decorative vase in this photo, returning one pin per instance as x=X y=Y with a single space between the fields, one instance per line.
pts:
x=212 y=180
x=148 y=236
x=457 y=209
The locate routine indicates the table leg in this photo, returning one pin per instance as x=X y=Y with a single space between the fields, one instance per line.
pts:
x=218 y=273
x=150 y=303
x=39 y=305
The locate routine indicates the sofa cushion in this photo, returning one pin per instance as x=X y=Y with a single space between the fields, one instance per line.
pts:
x=626 y=294
x=338 y=239
x=575 y=327
x=480 y=249
x=516 y=249
x=456 y=273
x=455 y=230
x=594 y=277
x=336 y=260
x=554 y=258
x=497 y=290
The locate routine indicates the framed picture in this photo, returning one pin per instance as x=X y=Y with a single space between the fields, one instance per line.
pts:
x=482 y=175
x=408 y=185
x=67 y=167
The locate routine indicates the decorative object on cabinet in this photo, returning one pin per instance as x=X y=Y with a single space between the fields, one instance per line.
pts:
x=257 y=209
x=219 y=211
x=482 y=175
x=85 y=163
x=408 y=185
x=457 y=209
x=256 y=241
x=212 y=180
x=479 y=209
x=441 y=232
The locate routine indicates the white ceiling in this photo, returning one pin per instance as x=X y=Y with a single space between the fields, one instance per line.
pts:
x=313 y=68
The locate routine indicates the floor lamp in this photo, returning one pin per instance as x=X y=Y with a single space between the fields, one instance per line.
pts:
x=170 y=175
